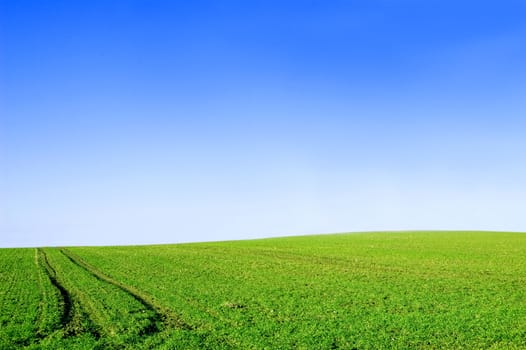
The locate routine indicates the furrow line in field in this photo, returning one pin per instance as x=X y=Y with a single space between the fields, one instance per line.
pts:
x=162 y=314
x=72 y=314
x=42 y=307
x=67 y=307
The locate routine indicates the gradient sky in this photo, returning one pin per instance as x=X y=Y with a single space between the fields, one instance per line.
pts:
x=125 y=122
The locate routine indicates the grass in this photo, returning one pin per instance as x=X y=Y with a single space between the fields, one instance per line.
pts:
x=431 y=290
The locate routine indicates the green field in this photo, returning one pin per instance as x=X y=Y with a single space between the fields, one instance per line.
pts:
x=422 y=290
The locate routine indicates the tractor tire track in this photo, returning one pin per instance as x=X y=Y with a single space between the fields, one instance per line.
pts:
x=73 y=320
x=43 y=304
x=162 y=318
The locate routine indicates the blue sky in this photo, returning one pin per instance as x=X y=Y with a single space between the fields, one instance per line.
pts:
x=129 y=122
